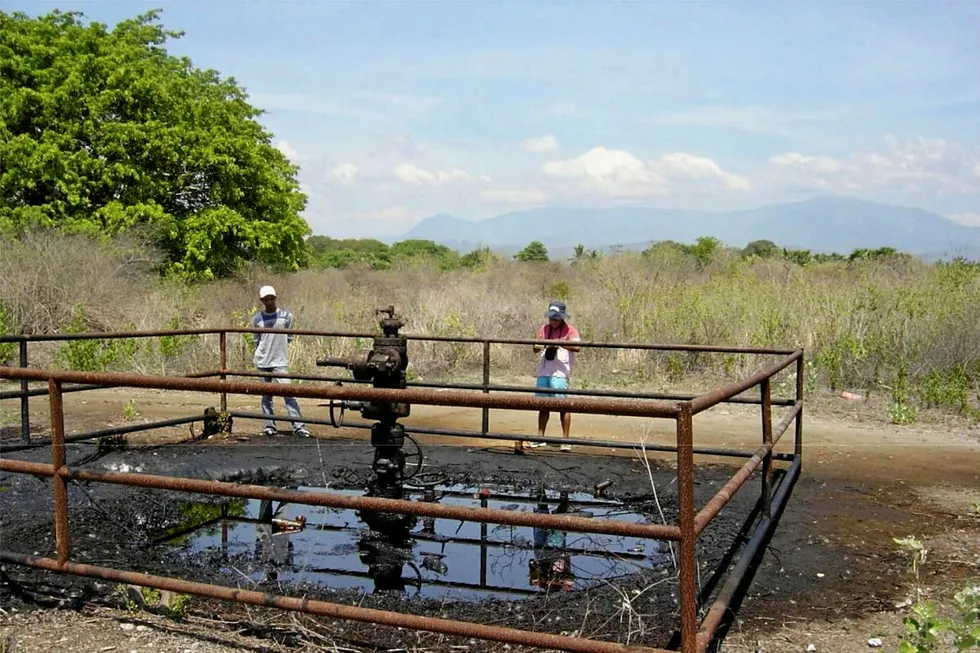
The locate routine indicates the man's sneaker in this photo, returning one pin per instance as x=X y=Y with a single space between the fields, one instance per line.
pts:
x=535 y=445
x=566 y=447
x=301 y=432
x=270 y=431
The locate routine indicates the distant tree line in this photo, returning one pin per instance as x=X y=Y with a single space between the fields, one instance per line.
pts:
x=707 y=249
x=326 y=252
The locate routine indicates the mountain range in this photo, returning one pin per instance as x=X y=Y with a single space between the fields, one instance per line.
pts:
x=820 y=224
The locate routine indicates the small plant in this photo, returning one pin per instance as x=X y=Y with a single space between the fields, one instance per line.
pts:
x=178 y=606
x=411 y=374
x=151 y=596
x=455 y=324
x=129 y=411
x=901 y=411
x=126 y=598
x=93 y=354
x=947 y=389
x=925 y=630
x=916 y=550
x=172 y=346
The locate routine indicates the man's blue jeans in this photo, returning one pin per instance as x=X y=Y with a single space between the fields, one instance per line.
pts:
x=292 y=407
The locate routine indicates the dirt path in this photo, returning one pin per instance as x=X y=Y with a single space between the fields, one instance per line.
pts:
x=862 y=484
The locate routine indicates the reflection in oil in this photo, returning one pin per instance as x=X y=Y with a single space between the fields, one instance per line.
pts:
x=430 y=557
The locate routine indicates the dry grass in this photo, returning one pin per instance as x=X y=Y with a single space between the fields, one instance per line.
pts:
x=860 y=323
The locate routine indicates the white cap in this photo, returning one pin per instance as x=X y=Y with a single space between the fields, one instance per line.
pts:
x=265 y=291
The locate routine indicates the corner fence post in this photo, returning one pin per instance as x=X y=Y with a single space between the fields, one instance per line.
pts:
x=57 y=406
x=798 y=447
x=223 y=361
x=688 y=543
x=25 y=400
x=766 y=388
x=486 y=382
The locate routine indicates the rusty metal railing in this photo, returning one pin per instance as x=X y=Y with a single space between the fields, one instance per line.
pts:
x=691 y=521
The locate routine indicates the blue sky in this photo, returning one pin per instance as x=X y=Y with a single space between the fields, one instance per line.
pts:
x=398 y=110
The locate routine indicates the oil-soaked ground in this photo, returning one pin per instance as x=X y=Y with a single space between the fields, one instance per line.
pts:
x=625 y=591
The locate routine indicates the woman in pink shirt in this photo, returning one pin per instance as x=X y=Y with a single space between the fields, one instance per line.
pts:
x=554 y=367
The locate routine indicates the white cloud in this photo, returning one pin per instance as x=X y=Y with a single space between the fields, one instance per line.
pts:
x=515 y=196
x=922 y=165
x=412 y=174
x=540 y=145
x=679 y=166
x=611 y=172
x=620 y=173
x=344 y=173
x=290 y=152
x=968 y=219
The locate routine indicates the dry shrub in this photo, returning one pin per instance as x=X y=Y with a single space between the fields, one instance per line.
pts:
x=859 y=322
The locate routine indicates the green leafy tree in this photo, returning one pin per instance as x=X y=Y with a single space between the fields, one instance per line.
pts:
x=762 y=249
x=445 y=257
x=535 y=251
x=705 y=249
x=480 y=258
x=329 y=252
x=833 y=257
x=102 y=131
x=801 y=257
x=666 y=249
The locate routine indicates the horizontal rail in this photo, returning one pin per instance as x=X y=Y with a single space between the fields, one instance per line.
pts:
x=108 y=335
x=40 y=392
x=432 y=582
x=763 y=533
x=333 y=610
x=596 y=406
x=331 y=500
x=479 y=435
x=418 y=337
x=617 y=394
x=709 y=399
x=725 y=494
x=101 y=433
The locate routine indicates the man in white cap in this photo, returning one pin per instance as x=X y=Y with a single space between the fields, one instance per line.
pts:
x=272 y=355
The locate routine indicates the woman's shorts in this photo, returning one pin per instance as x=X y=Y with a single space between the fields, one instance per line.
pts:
x=553 y=382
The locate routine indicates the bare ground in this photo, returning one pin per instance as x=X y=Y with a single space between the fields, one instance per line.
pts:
x=863 y=483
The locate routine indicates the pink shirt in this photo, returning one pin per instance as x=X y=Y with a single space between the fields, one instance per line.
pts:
x=562 y=365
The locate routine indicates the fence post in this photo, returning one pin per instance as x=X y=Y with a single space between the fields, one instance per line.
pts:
x=766 y=388
x=223 y=339
x=486 y=382
x=798 y=447
x=25 y=400
x=58 y=458
x=685 y=518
